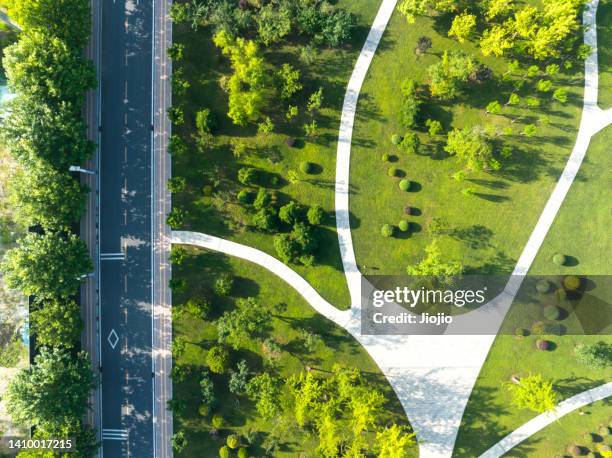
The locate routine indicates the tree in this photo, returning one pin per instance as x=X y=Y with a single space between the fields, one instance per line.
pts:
x=247 y=320
x=290 y=81
x=265 y=219
x=560 y=95
x=46 y=68
x=198 y=306
x=217 y=359
x=497 y=8
x=325 y=24
x=176 y=51
x=46 y=197
x=273 y=23
x=247 y=175
x=177 y=184
x=493 y=107
x=315 y=215
x=35 y=132
x=179 y=441
x=315 y=101
x=411 y=143
x=239 y=378
x=67 y=20
x=53 y=391
x=246 y=86
x=597 y=355
x=534 y=393
x=470 y=146
x=262 y=200
x=207 y=389
x=286 y=248
x=291 y=213
x=410 y=110
x=394 y=442
x=462 y=27
x=496 y=41
x=45 y=266
x=264 y=390
x=224 y=284
x=446 y=75
x=56 y=323
x=434 y=127
x=433 y=265
x=413 y=8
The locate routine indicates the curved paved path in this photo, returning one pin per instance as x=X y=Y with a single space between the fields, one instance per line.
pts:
x=542 y=421
x=432 y=375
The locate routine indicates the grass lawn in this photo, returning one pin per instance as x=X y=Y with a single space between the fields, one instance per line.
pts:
x=575 y=428
x=291 y=313
x=582 y=231
x=219 y=214
x=582 y=227
x=604 y=46
x=487 y=230
x=490 y=416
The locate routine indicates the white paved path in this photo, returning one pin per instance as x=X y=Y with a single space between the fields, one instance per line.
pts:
x=542 y=421
x=432 y=375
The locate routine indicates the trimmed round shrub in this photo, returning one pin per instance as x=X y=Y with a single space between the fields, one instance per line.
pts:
x=387 y=230
x=392 y=171
x=244 y=196
x=384 y=157
x=571 y=282
x=396 y=139
x=204 y=410
x=217 y=421
x=408 y=210
x=404 y=225
x=306 y=167
x=551 y=312
x=561 y=294
x=224 y=452
x=404 y=185
x=538 y=328
x=207 y=190
x=232 y=441
x=574 y=450
x=543 y=286
x=243 y=453
x=290 y=142
x=521 y=332
x=604 y=430
x=543 y=345
x=217 y=359
x=559 y=259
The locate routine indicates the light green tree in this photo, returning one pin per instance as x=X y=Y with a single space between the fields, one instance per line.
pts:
x=533 y=392
x=394 y=442
x=433 y=265
x=56 y=323
x=462 y=27
x=470 y=146
x=289 y=79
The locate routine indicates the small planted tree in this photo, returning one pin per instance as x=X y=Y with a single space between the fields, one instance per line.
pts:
x=217 y=359
x=534 y=393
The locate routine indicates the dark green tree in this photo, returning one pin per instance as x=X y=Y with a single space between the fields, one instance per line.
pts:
x=56 y=323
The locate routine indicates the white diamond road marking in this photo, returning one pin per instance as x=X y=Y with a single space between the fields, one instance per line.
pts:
x=113 y=338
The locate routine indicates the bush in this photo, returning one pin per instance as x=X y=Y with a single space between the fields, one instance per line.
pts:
x=224 y=284
x=404 y=185
x=232 y=441
x=543 y=345
x=198 y=307
x=543 y=286
x=408 y=210
x=571 y=282
x=217 y=421
x=574 y=450
x=247 y=175
x=404 y=225
x=244 y=196
x=396 y=139
x=387 y=230
x=538 y=328
x=315 y=215
x=559 y=259
x=290 y=142
x=242 y=453
x=306 y=167
x=217 y=359
x=551 y=312
x=597 y=355
x=384 y=157
x=262 y=200
x=604 y=430
x=204 y=410
x=392 y=171
x=224 y=452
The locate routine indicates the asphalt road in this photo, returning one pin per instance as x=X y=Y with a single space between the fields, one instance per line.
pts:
x=126 y=228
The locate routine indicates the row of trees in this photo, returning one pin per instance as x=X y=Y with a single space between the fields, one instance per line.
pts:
x=44 y=131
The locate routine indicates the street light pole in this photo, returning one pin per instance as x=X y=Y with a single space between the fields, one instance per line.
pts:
x=76 y=168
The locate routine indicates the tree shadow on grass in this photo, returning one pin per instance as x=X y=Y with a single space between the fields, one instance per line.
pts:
x=571 y=386
x=478 y=429
x=492 y=197
x=476 y=237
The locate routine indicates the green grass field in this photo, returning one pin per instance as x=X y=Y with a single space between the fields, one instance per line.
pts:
x=220 y=216
x=573 y=429
x=291 y=314
x=604 y=47
x=582 y=231
x=487 y=230
x=489 y=415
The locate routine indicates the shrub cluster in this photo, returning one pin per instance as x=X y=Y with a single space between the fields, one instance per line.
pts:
x=45 y=133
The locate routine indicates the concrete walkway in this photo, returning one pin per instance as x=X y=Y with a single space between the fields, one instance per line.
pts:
x=432 y=376
x=542 y=421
